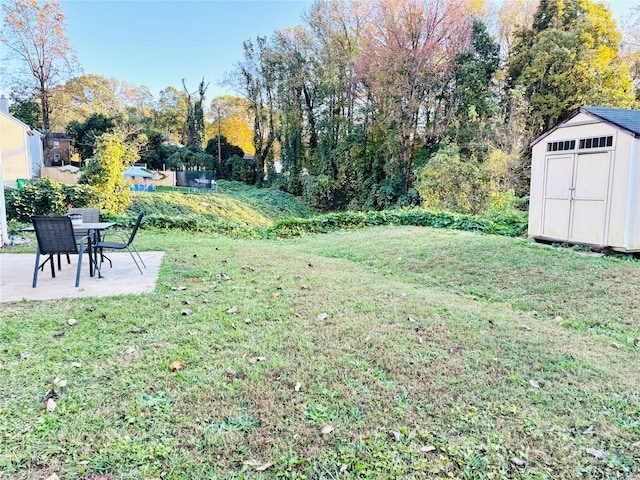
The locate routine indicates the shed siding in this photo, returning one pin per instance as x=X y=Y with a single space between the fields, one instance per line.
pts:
x=604 y=191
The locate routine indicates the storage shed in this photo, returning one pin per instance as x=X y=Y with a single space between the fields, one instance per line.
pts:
x=585 y=180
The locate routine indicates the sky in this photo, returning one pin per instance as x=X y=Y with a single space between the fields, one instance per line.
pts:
x=158 y=43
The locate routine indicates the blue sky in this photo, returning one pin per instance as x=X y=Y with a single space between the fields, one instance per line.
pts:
x=158 y=43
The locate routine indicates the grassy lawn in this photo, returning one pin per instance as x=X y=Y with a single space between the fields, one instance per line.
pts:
x=377 y=353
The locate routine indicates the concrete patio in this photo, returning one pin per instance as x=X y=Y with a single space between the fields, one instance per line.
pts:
x=16 y=277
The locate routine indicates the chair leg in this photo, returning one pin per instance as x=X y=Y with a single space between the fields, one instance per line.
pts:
x=135 y=250
x=79 y=265
x=136 y=262
x=35 y=270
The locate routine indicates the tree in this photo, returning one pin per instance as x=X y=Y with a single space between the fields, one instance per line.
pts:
x=105 y=170
x=230 y=114
x=257 y=75
x=473 y=99
x=86 y=134
x=568 y=58
x=35 y=35
x=630 y=47
x=226 y=150
x=24 y=108
x=408 y=55
x=195 y=115
x=170 y=115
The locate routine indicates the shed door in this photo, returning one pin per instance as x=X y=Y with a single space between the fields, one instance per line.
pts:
x=557 y=196
x=575 y=197
x=591 y=187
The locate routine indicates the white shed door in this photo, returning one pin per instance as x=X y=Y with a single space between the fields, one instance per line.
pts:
x=557 y=196
x=591 y=183
x=575 y=197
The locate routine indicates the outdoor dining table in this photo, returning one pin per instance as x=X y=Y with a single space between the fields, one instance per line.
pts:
x=93 y=229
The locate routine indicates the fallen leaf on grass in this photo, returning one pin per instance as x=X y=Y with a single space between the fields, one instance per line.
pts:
x=59 y=333
x=130 y=350
x=268 y=441
x=232 y=310
x=72 y=321
x=323 y=316
x=327 y=429
x=525 y=328
x=138 y=330
x=594 y=452
x=186 y=312
x=589 y=431
x=231 y=372
x=51 y=405
x=259 y=466
x=276 y=295
x=394 y=435
x=247 y=321
x=59 y=383
x=156 y=345
x=177 y=365
x=616 y=345
x=427 y=448
x=253 y=360
x=518 y=461
x=194 y=332
x=67 y=306
x=534 y=384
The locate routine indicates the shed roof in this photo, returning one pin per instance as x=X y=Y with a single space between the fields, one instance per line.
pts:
x=628 y=120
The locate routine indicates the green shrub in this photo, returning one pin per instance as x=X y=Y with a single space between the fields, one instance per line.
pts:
x=48 y=197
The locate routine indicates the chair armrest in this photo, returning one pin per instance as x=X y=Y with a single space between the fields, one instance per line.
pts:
x=122 y=236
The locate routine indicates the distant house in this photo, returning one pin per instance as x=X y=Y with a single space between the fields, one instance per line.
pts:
x=57 y=150
x=20 y=148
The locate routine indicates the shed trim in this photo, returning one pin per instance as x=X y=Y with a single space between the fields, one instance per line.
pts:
x=599 y=117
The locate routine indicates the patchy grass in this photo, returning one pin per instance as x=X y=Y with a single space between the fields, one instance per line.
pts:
x=510 y=360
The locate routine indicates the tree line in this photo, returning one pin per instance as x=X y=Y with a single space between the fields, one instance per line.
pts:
x=367 y=104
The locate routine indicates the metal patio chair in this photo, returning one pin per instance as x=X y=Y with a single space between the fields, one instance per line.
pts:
x=55 y=237
x=122 y=245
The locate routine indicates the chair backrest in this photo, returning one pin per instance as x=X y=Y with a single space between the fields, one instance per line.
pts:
x=135 y=228
x=54 y=234
x=89 y=215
